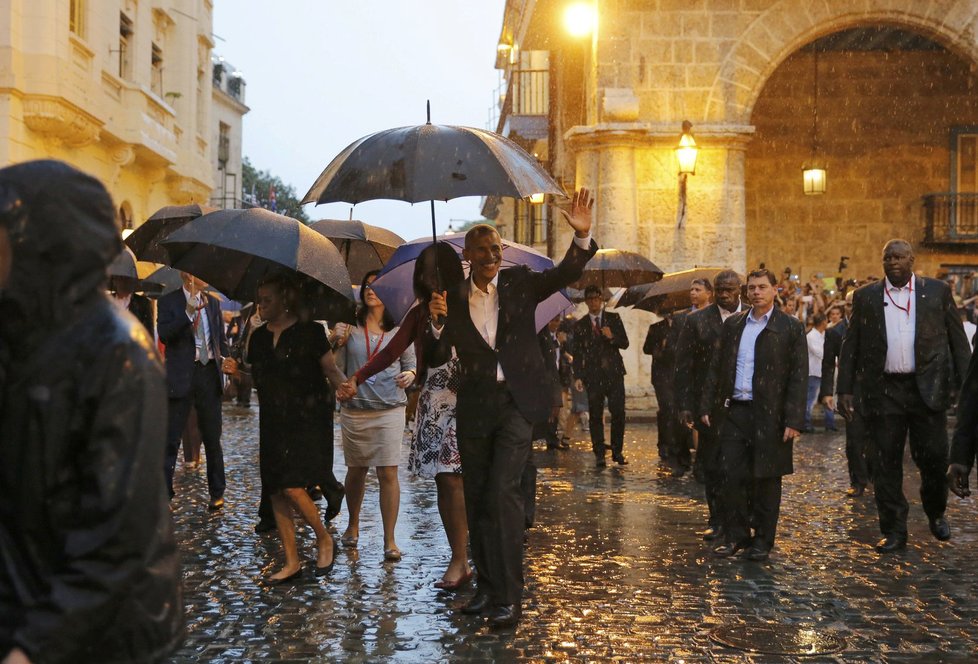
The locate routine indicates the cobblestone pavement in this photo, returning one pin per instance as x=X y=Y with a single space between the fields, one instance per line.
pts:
x=615 y=572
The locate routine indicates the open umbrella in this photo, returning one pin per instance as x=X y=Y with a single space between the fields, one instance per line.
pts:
x=234 y=250
x=394 y=284
x=162 y=281
x=145 y=240
x=610 y=268
x=362 y=246
x=671 y=293
x=428 y=163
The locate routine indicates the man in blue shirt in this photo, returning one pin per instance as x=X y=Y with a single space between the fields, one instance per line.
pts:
x=755 y=395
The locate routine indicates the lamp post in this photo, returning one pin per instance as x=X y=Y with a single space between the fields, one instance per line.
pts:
x=686 y=153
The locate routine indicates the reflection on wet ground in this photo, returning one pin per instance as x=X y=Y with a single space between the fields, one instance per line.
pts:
x=615 y=571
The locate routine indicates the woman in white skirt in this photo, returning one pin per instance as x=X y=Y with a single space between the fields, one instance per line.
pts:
x=373 y=421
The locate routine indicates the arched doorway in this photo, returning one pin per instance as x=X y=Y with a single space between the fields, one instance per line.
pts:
x=897 y=122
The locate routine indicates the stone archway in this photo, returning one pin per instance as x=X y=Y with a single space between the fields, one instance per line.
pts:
x=790 y=24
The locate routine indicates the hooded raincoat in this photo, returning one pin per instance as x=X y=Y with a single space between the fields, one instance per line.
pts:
x=88 y=563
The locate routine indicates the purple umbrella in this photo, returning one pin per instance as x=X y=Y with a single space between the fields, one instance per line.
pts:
x=394 y=284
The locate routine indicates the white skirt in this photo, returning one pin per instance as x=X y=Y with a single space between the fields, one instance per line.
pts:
x=372 y=437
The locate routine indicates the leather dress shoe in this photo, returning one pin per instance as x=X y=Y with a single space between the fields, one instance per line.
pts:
x=891 y=543
x=711 y=534
x=215 y=504
x=476 y=605
x=940 y=529
x=756 y=553
x=856 y=490
x=600 y=462
x=728 y=549
x=265 y=526
x=504 y=615
x=619 y=459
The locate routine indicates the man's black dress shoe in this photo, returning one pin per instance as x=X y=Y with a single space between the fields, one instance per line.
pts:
x=711 y=534
x=265 y=526
x=728 y=549
x=619 y=459
x=215 y=504
x=504 y=615
x=891 y=543
x=599 y=462
x=940 y=529
x=756 y=553
x=476 y=605
x=855 y=491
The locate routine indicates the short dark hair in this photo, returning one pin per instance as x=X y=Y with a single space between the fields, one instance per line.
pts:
x=818 y=319
x=285 y=285
x=387 y=323
x=726 y=275
x=437 y=262
x=763 y=272
x=478 y=231
x=592 y=290
x=705 y=283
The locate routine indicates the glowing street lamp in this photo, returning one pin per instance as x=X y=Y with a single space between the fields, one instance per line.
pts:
x=686 y=152
x=536 y=199
x=813 y=179
x=580 y=19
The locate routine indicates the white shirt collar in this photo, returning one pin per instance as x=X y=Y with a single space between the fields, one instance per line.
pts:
x=907 y=286
x=737 y=310
x=490 y=287
x=763 y=319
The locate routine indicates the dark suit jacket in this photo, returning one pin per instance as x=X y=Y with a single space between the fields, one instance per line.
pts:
x=661 y=342
x=780 y=386
x=964 y=443
x=517 y=349
x=597 y=359
x=833 y=344
x=941 y=349
x=699 y=340
x=550 y=351
x=176 y=331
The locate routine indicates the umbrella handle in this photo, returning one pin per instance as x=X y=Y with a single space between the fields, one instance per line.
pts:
x=439 y=320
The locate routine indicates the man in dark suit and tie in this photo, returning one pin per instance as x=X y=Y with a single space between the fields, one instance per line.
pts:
x=189 y=323
x=964 y=443
x=755 y=394
x=858 y=447
x=599 y=338
x=906 y=352
x=550 y=350
x=698 y=341
x=504 y=390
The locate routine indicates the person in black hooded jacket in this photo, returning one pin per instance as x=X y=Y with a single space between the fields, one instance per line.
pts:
x=88 y=563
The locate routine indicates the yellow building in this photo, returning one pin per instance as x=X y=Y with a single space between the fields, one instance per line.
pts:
x=882 y=94
x=124 y=90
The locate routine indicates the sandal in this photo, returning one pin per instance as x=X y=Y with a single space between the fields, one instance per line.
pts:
x=349 y=541
x=392 y=555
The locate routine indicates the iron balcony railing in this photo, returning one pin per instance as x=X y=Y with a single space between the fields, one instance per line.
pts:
x=951 y=218
x=530 y=91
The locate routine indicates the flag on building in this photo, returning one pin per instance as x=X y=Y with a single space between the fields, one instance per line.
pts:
x=271 y=198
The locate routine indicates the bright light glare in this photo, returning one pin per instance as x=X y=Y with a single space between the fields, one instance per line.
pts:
x=580 y=19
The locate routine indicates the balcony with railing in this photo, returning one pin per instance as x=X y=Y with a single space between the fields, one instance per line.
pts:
x=951 y=220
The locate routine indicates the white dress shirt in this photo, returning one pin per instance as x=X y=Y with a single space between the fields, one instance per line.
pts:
x=202 y=329
x=744 y=379
x=900 y=315
x=724 y=314
x=816 y=351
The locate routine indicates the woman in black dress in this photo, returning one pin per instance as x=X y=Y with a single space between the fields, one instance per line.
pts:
x=289 y=360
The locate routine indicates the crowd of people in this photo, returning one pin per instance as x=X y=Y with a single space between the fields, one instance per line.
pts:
x=84 y=526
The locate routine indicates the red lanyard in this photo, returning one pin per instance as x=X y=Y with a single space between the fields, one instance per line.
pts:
x=906 y=309
x=366 y=341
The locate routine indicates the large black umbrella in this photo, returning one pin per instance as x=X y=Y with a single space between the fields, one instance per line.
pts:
x=234 y=250
x=428 y=163
x=362 y=246
x=145 y=240
x=671 y=293
x=611 y=268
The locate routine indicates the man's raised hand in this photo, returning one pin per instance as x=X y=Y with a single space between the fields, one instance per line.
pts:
x=579 y=216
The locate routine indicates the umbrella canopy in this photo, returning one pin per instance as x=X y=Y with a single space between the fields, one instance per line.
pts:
x=394 y=285
x=610 y=268
x=430 y=162
x=234 y=250
x=362 y=246
x=145 y=240
x=671 y=293
x=162 y=281
x=124 y=265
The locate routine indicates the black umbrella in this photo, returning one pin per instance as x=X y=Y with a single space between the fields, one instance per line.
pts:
x=162 y=281
x=145 y=240
x=671 y=293
x=234 y=250
x=362 y=246
x=428 y=163
x=610 y=268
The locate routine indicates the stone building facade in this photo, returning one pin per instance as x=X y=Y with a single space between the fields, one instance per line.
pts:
x=121 y=89
x=882 y=91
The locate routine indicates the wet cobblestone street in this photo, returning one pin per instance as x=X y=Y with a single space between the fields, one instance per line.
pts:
x=615 y=571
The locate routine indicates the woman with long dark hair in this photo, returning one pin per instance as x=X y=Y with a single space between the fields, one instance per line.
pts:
x=291 y=360
x=434 y=448
x=373 y=421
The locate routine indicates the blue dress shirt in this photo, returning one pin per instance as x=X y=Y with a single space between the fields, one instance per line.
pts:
x=744 y=381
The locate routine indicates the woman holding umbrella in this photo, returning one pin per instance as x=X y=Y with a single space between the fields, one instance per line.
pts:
x=373 y=422
x=289 y=359
x=434 y=448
